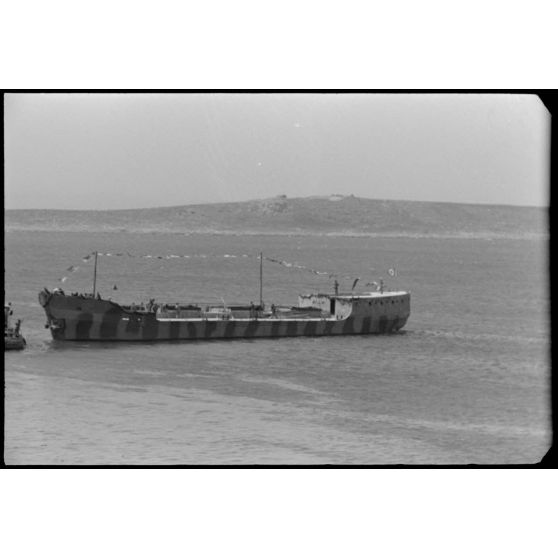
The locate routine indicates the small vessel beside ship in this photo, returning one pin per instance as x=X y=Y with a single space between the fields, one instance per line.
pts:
x=13 y=338
x=88 y=317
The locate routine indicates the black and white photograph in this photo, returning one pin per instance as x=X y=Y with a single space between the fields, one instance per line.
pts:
x=276 y=278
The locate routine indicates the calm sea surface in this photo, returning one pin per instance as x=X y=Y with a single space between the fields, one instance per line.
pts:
x=467 y=381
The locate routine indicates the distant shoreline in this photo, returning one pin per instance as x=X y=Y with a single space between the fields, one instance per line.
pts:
x=312 y=199
x=333 y=216
x=339 y=234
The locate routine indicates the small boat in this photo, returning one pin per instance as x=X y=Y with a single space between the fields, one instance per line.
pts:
x=89 y=317
x=13 y=339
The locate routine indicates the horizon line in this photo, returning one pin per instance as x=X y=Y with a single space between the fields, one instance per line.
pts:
x=281 y=196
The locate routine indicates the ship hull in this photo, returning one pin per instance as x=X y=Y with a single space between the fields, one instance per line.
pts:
x=72 y=318
x=14 y=342
x=13 y=339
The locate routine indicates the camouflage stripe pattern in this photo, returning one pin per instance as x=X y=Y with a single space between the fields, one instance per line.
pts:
x=79 y=318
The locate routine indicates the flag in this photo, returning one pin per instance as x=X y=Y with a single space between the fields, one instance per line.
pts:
x=354 y=284
x=87 y=258
x=62 y=279
x=392 y=272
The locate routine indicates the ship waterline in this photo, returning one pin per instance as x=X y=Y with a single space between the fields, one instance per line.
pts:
x=87 y=318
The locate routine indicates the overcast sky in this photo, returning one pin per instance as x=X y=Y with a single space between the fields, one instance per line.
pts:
x=116 y=151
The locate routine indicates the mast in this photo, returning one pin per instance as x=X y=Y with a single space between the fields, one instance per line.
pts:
x=95 y=276
x=261 y=280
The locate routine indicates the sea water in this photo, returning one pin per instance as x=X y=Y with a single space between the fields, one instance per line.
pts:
x=466 y=381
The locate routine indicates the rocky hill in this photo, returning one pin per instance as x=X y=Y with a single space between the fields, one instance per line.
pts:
x=334 y=215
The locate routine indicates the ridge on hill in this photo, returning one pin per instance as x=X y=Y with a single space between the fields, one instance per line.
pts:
x=333 y=215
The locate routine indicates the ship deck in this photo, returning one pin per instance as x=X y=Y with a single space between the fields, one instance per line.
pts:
x=371 y=294
x=244 y=320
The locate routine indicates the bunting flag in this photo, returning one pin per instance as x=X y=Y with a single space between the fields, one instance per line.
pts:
x=205 y=256
x=291 y=265
x=298 y=266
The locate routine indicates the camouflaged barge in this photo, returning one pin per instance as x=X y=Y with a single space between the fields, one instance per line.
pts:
x=85 y=317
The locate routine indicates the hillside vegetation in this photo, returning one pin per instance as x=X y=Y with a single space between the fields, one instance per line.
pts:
x=338 y=215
